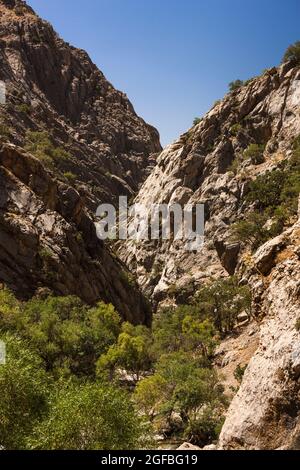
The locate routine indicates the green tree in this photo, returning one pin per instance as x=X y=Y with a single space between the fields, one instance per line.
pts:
x=223 y=301
x=205 y=427
x=183 y=328
x=251 y=230
x=182 y=385
x=68 y=335
x=42 y=147
x=90 y=416
x=131 y=352
x=24 y=393
x=255 y=152
x=196 y=121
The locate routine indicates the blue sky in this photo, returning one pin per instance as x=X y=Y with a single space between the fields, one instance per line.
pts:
x=174 y=58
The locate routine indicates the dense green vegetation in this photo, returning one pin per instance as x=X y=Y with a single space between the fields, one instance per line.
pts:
x=273 y=197
x=76 y=377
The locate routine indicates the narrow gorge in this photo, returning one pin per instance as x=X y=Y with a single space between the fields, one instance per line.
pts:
x=222 y=323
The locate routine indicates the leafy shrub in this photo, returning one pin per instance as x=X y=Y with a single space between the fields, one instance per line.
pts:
x=24 y=393
x=275 y=196
x=239 y=372
x=41 y=146
x=235 y=85
x=292 y=53
x=204 y=428
x=4 y=132
x=255 y=153
x=196 y=121
x=265 y=190
x=23 y=108
x=235 y=129
x=90 y=417
x=251 y=230
x=70 y=177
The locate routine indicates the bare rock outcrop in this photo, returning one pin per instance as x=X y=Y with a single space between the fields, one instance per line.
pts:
x=265 y=413
x=198 y=169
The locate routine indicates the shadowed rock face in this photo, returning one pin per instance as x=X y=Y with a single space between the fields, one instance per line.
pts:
x=64 y=93
x=47 y=239
x=47 y=235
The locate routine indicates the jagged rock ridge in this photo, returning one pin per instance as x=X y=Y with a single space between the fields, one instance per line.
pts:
x=55 y=87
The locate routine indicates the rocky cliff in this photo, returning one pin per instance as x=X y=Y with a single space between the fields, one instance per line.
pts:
x=249 y=136
x=54 y=87
x=48 y=241
x=68 y=141
x=198 y=169
x=265 y=413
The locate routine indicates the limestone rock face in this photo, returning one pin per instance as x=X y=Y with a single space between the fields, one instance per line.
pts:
x=197 y=169
x=55 y=87
x=47 y=239
x=265 y=413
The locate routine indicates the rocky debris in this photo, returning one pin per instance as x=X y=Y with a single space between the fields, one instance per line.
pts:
x=210 y=447
x=188 y=446
x=48 y=240
x=265 y=413
x=197 y=169
x=54 y=87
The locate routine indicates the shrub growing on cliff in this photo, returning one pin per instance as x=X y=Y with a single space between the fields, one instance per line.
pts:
x=255 y=152
x=41 y=146
x=4 y=132
x=251 y=230
x=196 y=121
x=235 y=129
x=292 y=53
x=235 y=85
x=222 y=302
